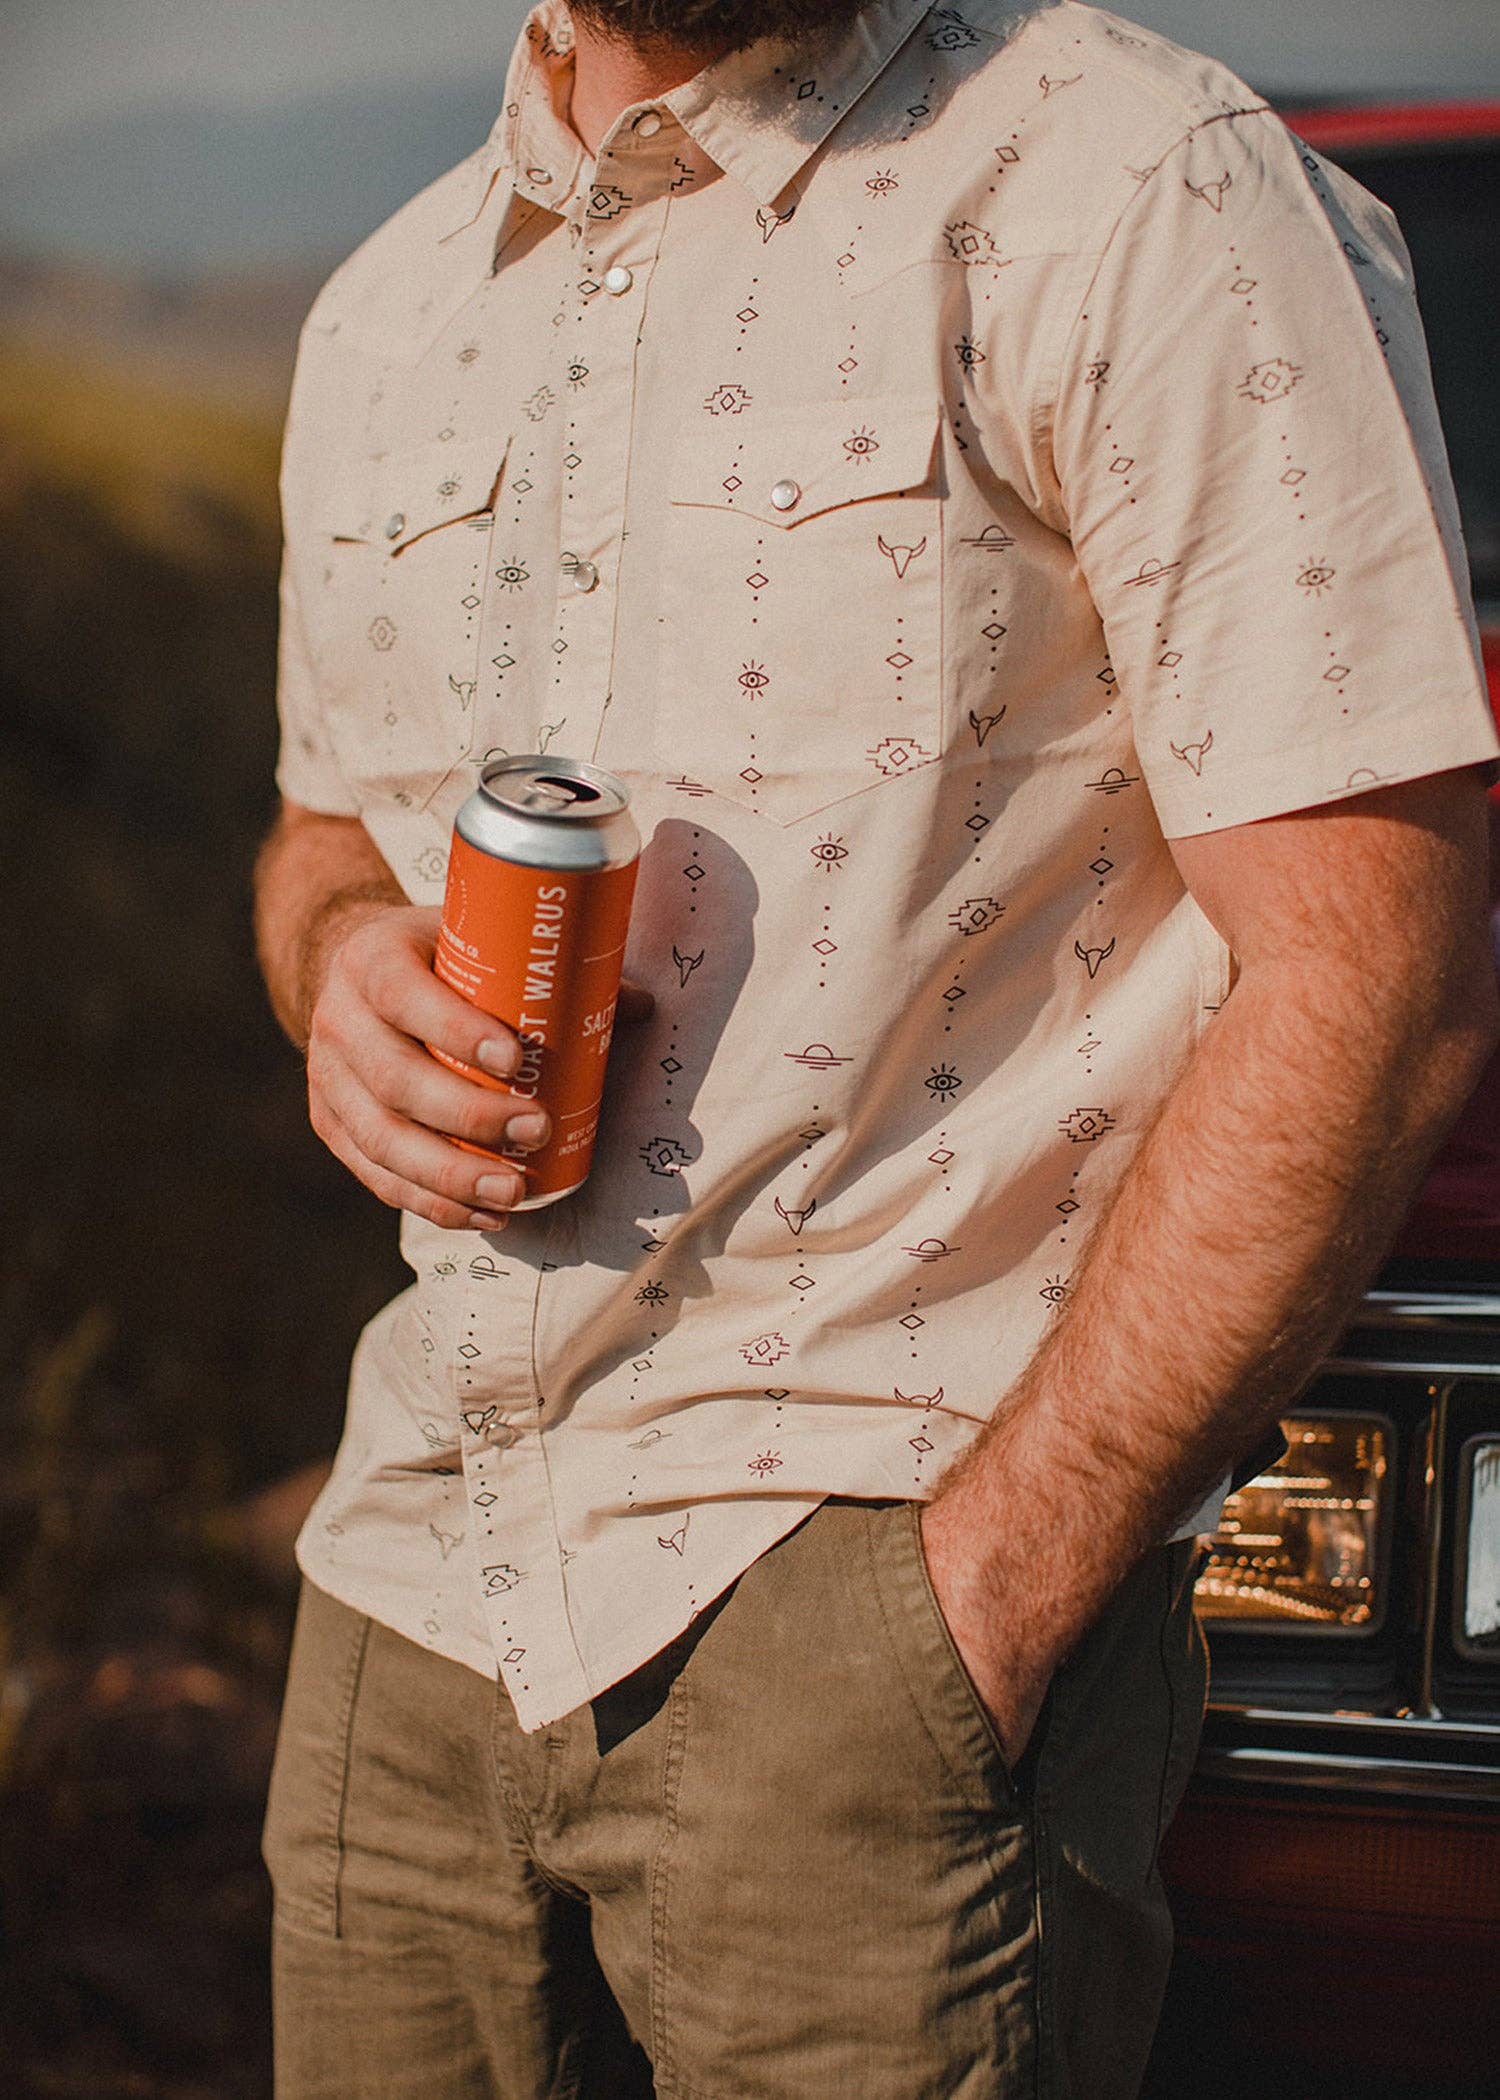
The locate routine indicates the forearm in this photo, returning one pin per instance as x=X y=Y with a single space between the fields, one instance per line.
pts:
x=315 y=878
x=1254 y=1211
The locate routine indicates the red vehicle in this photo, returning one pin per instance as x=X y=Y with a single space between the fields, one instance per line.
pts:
x=1335 y=1867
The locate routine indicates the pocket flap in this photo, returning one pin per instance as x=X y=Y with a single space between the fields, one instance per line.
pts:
x=816 y=456
x=410 y=491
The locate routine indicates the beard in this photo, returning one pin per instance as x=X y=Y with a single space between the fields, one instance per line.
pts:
x=710 y=28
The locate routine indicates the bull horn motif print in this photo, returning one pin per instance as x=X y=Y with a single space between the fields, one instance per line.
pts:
x=902 y=557
x=1193 y=754
x=1092 y=957
x=983 y=724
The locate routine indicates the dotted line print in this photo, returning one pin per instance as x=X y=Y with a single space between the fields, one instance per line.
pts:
x=1069 y=1204
x=849 y=363
x=1086 y=1050
x=977 y=822
x=1356 y=255
x=1109 y=681
x=1101 y=865
x=918 y=110
x=825 y=944
x=952 y=994
x=900 y=658
x=748 y=314
x=1121 y=462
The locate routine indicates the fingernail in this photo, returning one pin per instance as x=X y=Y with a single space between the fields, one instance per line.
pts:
x=499 y=1056
x=499 y=1188
x=486 y=1220
x=528 y=1130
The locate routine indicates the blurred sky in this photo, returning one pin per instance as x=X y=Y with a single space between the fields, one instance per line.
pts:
x=179 y=132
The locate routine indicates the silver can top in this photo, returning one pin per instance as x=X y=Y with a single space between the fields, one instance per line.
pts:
x=550 y=812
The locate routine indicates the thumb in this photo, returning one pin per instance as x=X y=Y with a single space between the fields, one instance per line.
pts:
x=635 y=1002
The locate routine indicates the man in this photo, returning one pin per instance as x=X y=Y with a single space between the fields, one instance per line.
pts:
x=974 y=477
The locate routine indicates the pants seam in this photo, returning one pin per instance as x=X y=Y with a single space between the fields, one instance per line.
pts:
x=661 y=2050
x=1041 y=1983
x=512 y=1805
x=1171 y=1733
x=353 y=1673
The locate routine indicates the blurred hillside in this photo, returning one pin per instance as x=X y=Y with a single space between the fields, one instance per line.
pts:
x=227 y=339
x=197 y=188
x=183 y=1269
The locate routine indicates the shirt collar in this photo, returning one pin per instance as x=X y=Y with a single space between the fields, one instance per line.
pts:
x=760 y=114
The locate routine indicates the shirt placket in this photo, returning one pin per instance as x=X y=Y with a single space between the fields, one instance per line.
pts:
x=521 y=1559
x=617 y=238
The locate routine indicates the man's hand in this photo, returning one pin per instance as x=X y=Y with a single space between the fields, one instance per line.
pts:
x=385 y=1106
x=1009 y=1661
x=348 y=964
x=1255 y=1207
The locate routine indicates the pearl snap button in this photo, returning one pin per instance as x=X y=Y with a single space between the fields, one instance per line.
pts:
x=618 y=279
x=539 y=175
x=394 y=527
x=585 y=576
x=648 y=124
x=785 y=495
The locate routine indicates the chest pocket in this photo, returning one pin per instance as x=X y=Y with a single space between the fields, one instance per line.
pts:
x=801 y=658
x=407 y=573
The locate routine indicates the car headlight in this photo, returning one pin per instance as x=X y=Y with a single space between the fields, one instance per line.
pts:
x=1302 y=1547
x=1476 y=1628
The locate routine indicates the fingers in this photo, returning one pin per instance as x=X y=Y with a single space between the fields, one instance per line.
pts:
x=407 y=1079
x=388 y=1109
x=635 y=1002
x=387 y=966
x=408 y=1167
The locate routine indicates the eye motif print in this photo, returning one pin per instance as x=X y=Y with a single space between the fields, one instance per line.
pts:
x=1317 y=578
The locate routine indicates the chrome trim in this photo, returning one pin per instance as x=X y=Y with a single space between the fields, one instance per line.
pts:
x=1413 y=1727
x=1408 y=1367
x=1437 y=1544
x=1431 y=1308
x=1300 y=1771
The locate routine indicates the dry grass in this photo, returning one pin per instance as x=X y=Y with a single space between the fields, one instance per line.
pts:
x=178 y=476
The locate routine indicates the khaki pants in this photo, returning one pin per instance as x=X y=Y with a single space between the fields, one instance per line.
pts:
x=785 y=1855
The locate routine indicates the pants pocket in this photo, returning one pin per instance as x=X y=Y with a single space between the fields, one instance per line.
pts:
x=303 y=1833
x=935 y=1675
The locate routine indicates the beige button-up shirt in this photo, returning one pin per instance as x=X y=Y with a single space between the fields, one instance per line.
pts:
x=932 y=469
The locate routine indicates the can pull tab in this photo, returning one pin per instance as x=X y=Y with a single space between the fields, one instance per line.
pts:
x=550 y=791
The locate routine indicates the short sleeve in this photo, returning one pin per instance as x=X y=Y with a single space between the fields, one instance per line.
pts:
x=307 y=771
x=1250 y=463
x=307 y=768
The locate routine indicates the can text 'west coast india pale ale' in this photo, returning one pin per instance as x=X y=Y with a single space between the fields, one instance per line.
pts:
x=540 y=879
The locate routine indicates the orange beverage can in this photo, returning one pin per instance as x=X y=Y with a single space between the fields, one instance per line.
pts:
x=540 y=879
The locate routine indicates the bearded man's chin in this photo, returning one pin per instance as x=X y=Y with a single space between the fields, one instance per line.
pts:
x=713 y=28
